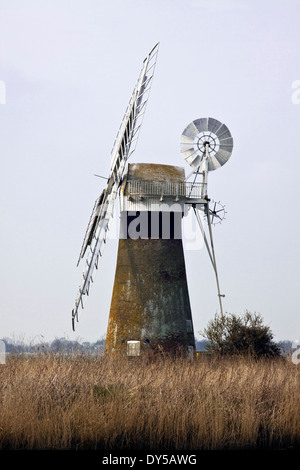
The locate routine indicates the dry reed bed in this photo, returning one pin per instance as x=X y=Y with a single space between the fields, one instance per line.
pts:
x=57 y=402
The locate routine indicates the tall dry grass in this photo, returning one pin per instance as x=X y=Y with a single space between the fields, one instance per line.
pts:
x=57 y=402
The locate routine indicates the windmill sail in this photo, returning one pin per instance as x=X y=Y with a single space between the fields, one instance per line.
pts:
x=124 y=146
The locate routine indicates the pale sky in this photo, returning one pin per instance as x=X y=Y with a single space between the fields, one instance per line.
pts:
x=67 y=69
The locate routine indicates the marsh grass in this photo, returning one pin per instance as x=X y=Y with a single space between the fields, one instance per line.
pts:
x=86 y=402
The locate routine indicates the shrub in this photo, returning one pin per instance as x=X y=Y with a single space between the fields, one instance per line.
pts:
x=245 y=335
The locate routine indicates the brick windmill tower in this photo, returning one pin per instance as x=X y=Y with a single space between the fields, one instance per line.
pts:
x=150 y=306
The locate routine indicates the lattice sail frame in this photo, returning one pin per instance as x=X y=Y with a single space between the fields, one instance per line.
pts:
x=124 y=145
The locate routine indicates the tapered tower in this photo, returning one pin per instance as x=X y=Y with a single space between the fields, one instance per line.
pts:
x=150 y=304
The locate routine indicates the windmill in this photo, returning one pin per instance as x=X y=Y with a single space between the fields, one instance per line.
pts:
x=150 y=305
x=206 y=144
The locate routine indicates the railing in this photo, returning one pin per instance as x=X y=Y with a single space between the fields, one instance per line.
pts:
x=142 y=188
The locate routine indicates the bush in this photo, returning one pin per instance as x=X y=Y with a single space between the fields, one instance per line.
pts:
x=245 y=335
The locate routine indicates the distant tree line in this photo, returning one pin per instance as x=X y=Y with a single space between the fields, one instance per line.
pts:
x=58 y=345
x=227 y=334
x=65 y=346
